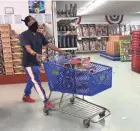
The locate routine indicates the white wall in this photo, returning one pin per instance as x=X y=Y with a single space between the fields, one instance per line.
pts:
x=21 y=8
x=132 y=19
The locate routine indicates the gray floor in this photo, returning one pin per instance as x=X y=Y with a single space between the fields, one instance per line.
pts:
x=123 y=101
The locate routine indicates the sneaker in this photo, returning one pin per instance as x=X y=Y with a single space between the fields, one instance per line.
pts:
x=28 y=99
x=49 y=105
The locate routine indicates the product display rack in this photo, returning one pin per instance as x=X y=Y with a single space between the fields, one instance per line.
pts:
x=92 y=38
x=60 y=34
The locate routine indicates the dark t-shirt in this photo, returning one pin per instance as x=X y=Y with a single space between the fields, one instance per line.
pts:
x=36 y=41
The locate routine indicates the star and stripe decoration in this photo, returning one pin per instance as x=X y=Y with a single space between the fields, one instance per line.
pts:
x=78 y=20
x=114 y=19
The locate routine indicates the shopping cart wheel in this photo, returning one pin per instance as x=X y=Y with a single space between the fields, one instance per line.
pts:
x=46 y=112
x=102 y=114
x=102 y=122
x=86 y=123
x=72 y=100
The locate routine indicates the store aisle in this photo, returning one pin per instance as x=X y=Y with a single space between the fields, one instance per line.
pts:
x=122 y=100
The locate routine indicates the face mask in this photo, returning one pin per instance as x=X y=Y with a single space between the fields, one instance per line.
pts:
x=34 y=27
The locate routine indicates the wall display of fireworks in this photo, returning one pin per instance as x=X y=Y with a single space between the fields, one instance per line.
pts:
x=92 y=37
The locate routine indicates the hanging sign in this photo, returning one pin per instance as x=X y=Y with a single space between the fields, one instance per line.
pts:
x=48 y=18
x=114 y=19
x=18 y=19
x=8 y=19
x=1 y=19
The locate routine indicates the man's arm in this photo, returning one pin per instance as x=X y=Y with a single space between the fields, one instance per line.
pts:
x=30 y=50
x=46 y=43
x=53 y=47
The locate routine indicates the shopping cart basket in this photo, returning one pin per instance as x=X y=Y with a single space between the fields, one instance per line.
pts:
x=78 y=83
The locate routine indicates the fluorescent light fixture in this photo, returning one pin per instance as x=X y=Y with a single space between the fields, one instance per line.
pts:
x=91 y=6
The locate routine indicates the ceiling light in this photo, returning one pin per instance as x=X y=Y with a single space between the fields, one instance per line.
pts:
x=91 y=6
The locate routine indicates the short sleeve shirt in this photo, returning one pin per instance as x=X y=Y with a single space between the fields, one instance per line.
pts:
x=36 y=41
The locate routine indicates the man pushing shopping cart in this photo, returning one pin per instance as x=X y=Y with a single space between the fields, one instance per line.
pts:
x=32 y=42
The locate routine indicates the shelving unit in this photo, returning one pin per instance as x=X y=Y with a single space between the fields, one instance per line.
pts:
x=66 y=20
x=68 y=49
x=94 y=37
x=96 y=51
x=61 y=21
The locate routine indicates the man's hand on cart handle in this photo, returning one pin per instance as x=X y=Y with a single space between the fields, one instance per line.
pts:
x=63 y=52
x=38 y=57
x=53 y=47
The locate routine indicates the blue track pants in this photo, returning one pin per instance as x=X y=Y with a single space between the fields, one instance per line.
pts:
x=34 y=80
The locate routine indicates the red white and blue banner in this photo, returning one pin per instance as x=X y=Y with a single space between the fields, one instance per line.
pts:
x=78 y=21
x=114 y=19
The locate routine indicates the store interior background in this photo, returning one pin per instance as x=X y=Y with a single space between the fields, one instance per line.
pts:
x=130 y=13
x=123 y=99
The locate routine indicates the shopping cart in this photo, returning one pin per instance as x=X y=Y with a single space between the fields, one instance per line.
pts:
x=75 y=84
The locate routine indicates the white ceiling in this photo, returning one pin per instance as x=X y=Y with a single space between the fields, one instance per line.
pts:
x=111 y=7
x=118 y=7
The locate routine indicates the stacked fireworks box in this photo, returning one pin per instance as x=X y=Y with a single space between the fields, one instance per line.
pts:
x=17 y=56
x=7 y=53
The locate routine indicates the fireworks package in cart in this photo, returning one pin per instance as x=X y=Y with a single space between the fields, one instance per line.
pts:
x=83 y=64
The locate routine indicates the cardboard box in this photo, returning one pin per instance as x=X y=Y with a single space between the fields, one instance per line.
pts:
x=8 y=64
x=5 y=39
x=9 y=69
x=6 y=44
x=6 y=49
x=5 y=33
x=113 y=45
x=4 y=27
x=113 y=48
x=8 y=59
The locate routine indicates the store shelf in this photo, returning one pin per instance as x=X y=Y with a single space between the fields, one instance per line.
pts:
x=75 y=48
x=66 y=20
x=12 y=79
x=94 y=37
x=96 y=51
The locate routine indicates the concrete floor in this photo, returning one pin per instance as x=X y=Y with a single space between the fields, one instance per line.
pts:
x=122 y=100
